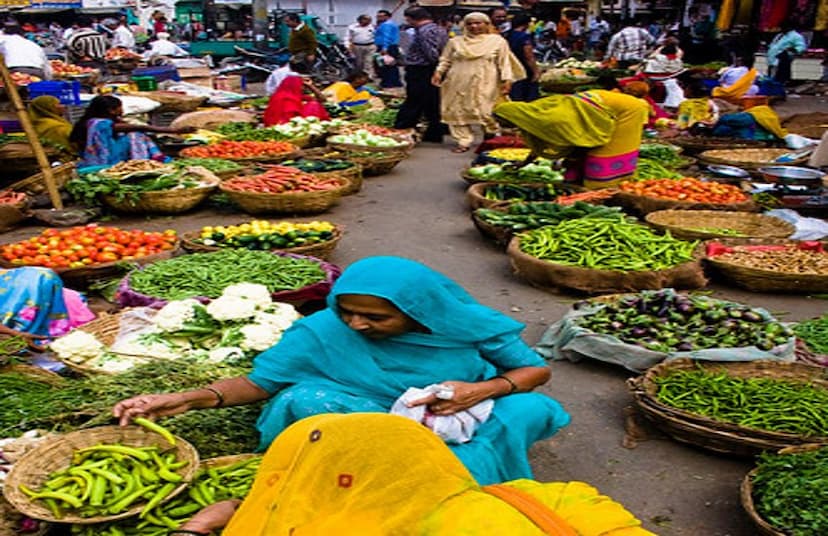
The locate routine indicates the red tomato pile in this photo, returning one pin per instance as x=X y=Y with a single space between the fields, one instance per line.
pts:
x=81 y=246
x=239 y=149
x=281 y=179
x=687 y=189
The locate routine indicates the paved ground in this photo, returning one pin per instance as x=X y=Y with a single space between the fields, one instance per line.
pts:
x=419 y=211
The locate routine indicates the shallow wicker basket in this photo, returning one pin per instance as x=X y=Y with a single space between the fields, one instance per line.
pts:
x=500 y=234
x=643 y=204
x=55 y=454
x=80 y=277
x=267 y=157
x=163 y=202
x=37 y=185
x=750 y=159
x=697 y=144
x=105 y=328
x=320 y=250
x=374 y=166
x=290 y=202
x=404 y=146
x=758 y=279
x=353 y=174
x=10 y=520
x=687 y=224
x=713 y=435
x=554 y=276
x=746 y=494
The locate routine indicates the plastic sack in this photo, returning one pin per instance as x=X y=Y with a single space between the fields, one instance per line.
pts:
x=806 y=228
x=566 y=340
x=126 y=296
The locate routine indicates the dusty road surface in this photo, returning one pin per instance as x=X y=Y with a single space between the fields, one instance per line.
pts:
x=419 y=211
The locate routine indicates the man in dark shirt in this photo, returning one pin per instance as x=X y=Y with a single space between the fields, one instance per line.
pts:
x=302 y=40
x=421 y=57
x=523 y=47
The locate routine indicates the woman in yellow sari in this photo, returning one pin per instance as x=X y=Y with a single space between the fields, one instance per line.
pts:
x=348 y=92
x=378 y=474
x=607 y=125
x=737 y=81
x=46 y=113
x=475 y=71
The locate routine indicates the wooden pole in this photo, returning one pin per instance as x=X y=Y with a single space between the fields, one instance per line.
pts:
x=26 y=123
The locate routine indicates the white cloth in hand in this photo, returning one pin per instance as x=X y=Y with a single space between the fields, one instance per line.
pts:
x=453 y=429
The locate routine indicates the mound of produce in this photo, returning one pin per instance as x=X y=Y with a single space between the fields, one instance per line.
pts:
x=522 y=216
x=265 y=235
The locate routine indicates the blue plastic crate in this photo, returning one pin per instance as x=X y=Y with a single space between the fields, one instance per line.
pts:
x=66 y=92
x=160 y=73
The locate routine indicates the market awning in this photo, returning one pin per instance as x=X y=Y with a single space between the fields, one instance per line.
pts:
x=43 y=10
x=102 y=10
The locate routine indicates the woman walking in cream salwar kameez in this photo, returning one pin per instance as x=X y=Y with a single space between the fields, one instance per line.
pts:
x=475 y=72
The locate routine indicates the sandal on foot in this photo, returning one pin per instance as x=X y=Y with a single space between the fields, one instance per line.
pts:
x=460 y=149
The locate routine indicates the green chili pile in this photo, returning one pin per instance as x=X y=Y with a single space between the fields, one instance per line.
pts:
x=505 y=192
x=522 y=216
x=650 y=169
x=208 y=274
x=760 y=403
x=789 y=491
x=606 y=244
x=210 y=485
x=814 y=333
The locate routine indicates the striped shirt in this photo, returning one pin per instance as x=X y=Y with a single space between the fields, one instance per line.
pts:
x=86 y=44
x=426 y=46
x=629 y=44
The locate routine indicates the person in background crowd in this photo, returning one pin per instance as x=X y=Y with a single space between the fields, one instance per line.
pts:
x=599 y=29
x=666 y=59
x=104 y=139
x=422 y=98
x=387 y=41
x=23 y=55
x=121 y=35
x=475 y=71
x=296 y=96
x=629 y=46
x=702 y=46
x=456 y=27
x=279 y=75
x=755 y=123
x=522 y=45
x=655 y=28
x=86 y=46
x=349 y=92
x=787 y=44
x=563 y=30
x=162 y=46
x=302 y=38
x=159 y=23
x=697 y=109
x=359 y=40
x=46 y=113
x=737 y=80
x=67 y=33
x=577 y=33
x=500 y=20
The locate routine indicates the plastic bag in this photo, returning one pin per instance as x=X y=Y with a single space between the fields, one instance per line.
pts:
x=806 y=228
x=566 y=340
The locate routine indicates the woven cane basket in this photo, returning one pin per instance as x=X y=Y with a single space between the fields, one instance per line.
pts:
x=750 y=159
x=289 y=202
x=717 y=436
x=36 y=184
x=163 y=202
x=55 y=454
x=699 y=224
x=320 y=250
x=697 y=144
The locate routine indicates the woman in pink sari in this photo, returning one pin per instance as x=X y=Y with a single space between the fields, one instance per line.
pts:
x=291 y=100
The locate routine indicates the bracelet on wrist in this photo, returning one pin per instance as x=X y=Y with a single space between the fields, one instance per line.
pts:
x=219 y=396
x=512 y=385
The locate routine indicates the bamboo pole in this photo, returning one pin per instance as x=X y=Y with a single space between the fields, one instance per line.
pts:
x=26 y=123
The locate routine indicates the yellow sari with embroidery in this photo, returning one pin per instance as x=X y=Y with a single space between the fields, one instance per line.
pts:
x=344 y=93
x=378 y=474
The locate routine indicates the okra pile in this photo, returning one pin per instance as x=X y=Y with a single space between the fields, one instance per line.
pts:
x=665 y=321
x=606 y=244
x=210 y=485
x=794 y=407
x=106 y=480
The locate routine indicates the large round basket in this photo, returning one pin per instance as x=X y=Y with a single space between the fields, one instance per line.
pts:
x=758 y=279
x=404 y=146
x=476 y=196
x=701 y=224
x=353 y=174
x=36 y=184
x=10 y=520
x=266 y=157
x=697 y=144
x=553 y=276
x=749 y=159
x=55 y=454
x=500 y=234
x=81 y=277
x=643 y=204
x=163 y=202
x=320 y=250
x=713 y=435
x=289 y=202
x=381 y=164
x=746 y=494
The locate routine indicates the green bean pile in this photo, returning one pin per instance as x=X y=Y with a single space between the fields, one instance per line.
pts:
x=814 y=333
x=760 y=403
x=210 y=485
x=650 y=169
x=208 y=274
x=789 y=491
x=606 y=244
x=216 y=165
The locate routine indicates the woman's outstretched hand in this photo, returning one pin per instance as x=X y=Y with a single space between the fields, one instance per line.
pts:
x=150 y=407
x=465 y=396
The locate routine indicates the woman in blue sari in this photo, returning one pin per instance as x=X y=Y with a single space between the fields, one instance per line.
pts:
x=391 y=324
x=103 y=139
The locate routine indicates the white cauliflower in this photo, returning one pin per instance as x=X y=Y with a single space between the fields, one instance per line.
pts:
x=175 y=314
x=258 y=337
x=279 y=317
x=228 y=308
x=224 y=353
x=113 y=364
x=251 y=291
x=77 y=347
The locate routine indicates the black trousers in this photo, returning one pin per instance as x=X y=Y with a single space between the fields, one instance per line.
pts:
x=421 y=100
